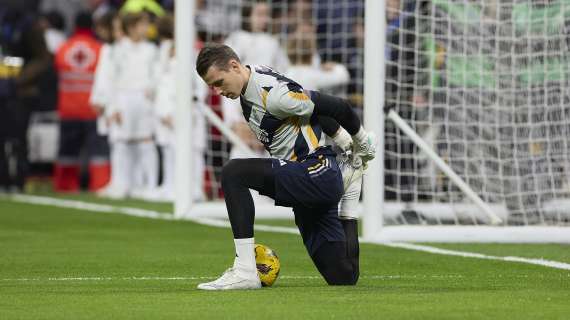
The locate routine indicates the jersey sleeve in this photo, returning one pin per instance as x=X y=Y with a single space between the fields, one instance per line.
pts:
x=287 y=100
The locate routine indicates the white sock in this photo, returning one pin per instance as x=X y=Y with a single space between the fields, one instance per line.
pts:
x=348 y=208
x=115 y=162
x=359 y=136
x=245 y=256
x=123 y=167
x=349 y=201
x=149 y=164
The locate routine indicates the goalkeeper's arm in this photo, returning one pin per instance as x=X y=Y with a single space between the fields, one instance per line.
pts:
x=334 y=113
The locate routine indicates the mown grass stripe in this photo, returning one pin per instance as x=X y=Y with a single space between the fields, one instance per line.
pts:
x=86 y=206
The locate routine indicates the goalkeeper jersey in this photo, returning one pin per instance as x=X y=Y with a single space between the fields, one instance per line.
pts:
x=280 y=113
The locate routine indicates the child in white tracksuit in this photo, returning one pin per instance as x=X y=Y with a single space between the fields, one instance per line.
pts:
x=130 y=112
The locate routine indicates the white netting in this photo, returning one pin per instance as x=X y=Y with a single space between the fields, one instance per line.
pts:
x=486 y=83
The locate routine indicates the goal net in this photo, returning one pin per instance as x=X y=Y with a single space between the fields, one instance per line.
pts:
x=486 y=85
x=483 y=83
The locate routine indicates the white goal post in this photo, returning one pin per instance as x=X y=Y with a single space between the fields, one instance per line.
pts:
x=475 y=145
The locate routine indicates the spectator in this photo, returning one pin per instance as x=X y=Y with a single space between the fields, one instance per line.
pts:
x=67 y=8
x=356 y=65
x=253 y=43
x=137 y=6
x=302 y=49
x=104 y=27
x=29 y=58
x=150 y=10
x=54 y=30
x=287 y=14
x=75 y=62
x=53 y=25
x=101 y=8
x=217 y=18
x=335 y=19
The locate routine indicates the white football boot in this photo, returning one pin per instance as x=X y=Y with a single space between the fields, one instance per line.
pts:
x=232 y=279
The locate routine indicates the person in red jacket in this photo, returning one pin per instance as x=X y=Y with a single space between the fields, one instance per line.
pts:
x=75 y=62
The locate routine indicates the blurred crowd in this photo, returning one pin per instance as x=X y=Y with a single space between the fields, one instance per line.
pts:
x=87 y=87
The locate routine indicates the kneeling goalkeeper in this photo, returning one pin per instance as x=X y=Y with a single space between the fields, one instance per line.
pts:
x=303 y=173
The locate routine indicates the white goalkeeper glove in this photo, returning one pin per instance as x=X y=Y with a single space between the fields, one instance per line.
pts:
x=364 y=145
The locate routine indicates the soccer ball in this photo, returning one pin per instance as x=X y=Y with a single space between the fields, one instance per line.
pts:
x=268 y=265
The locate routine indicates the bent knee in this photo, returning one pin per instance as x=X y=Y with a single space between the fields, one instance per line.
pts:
x=342 y=277
x=231 y=171
x=231 y=167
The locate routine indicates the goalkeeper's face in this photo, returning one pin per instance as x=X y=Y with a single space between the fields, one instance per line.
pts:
x=228 y=82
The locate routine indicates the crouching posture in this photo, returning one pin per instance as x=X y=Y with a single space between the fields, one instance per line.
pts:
x=303 y=173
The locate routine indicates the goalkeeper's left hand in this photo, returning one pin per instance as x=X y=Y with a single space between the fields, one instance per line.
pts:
x=364 y=146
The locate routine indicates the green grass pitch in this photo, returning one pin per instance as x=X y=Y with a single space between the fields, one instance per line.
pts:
x=67 y=264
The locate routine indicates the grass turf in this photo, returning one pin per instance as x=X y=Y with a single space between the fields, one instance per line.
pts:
x=39 y=242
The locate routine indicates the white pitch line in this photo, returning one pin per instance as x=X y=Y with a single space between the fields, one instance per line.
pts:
x=94 y=279
x=81 y=205
x=194 y=278
x=136 y=212
x=146 y=278
x=430 y=249
x=104 y=278
x=374 y=277
x=94 y=207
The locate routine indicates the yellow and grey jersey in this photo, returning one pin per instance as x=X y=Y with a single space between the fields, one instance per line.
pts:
x=280 y=113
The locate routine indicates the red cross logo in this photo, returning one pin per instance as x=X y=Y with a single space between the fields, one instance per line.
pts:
x=80 y=56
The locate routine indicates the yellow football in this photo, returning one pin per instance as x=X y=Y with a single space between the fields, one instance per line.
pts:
x=268 y=265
